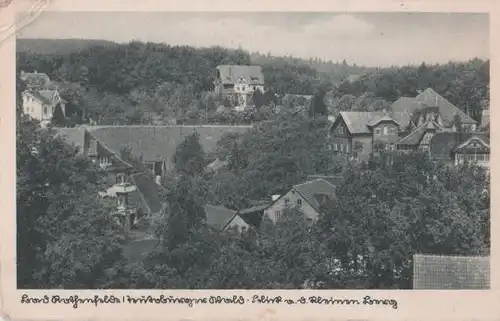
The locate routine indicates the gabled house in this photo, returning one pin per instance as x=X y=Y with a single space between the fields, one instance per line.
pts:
x=153 y=146
x=223 y=219
x=419 y=138
x=238 y=83
x=42 y=104
x=309 y=197
x=358 y=133
x=460 y=148
x=408 y=125
x=413 y=111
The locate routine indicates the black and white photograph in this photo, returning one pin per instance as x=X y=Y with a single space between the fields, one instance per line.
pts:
x=253 y=150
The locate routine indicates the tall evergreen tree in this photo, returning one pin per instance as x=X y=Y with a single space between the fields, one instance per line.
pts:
x=318 y=106
x=189 y=158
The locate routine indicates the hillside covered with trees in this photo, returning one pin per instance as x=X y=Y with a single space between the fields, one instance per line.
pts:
x=132 y=83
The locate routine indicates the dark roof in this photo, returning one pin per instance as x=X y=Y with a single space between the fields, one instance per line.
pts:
x=464 y=146
x=335 y=180
x=451 y=272
x=385 y=118
x=149 y=191
x=447 y=110
x=443 y=144
x=403 y=109
x=155 y=143
x=218 y=216
x=357 y=121
x=257 y=208
x=414 y=137
x=315 y=191
x=232 y=74
x=253 y=215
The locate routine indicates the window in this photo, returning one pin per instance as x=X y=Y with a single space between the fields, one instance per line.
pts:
x=299 y=202
x=278 y=215
x=287 y=201
x=487 y=157
x=377 y=131
x=385 y=130
x=392 y=130
x=470 y=158
x=120 y=178
x=45 y=110
x=347 y=148
x=341 y=147
x=341 y=130
x=104 y=161
x=335 y=146
x=480 y=157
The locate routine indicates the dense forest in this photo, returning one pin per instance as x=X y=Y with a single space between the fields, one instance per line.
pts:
x=133 y=83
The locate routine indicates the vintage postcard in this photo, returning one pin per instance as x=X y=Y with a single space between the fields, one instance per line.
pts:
x=248 y=161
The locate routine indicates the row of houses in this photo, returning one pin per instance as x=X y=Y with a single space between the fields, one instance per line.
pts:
x=427 y=122
x=236 y=83
x=309 y=196
x=139 y=194
x=155 y=146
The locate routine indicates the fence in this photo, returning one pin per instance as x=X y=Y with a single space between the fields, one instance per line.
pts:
x=451 y=272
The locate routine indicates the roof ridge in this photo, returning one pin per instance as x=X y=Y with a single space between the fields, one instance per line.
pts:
x=312 y=181
x=219 y=206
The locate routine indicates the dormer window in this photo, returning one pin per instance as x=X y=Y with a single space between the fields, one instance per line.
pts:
x=120 y=178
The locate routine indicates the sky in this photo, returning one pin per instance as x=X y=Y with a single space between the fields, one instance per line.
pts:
x=370 y=39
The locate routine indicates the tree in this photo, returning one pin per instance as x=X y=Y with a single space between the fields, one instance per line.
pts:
x=318 y=106
x=189 y=157
x=382 y=216
x=58 y=119
x=258 y=98
x=58 y=210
